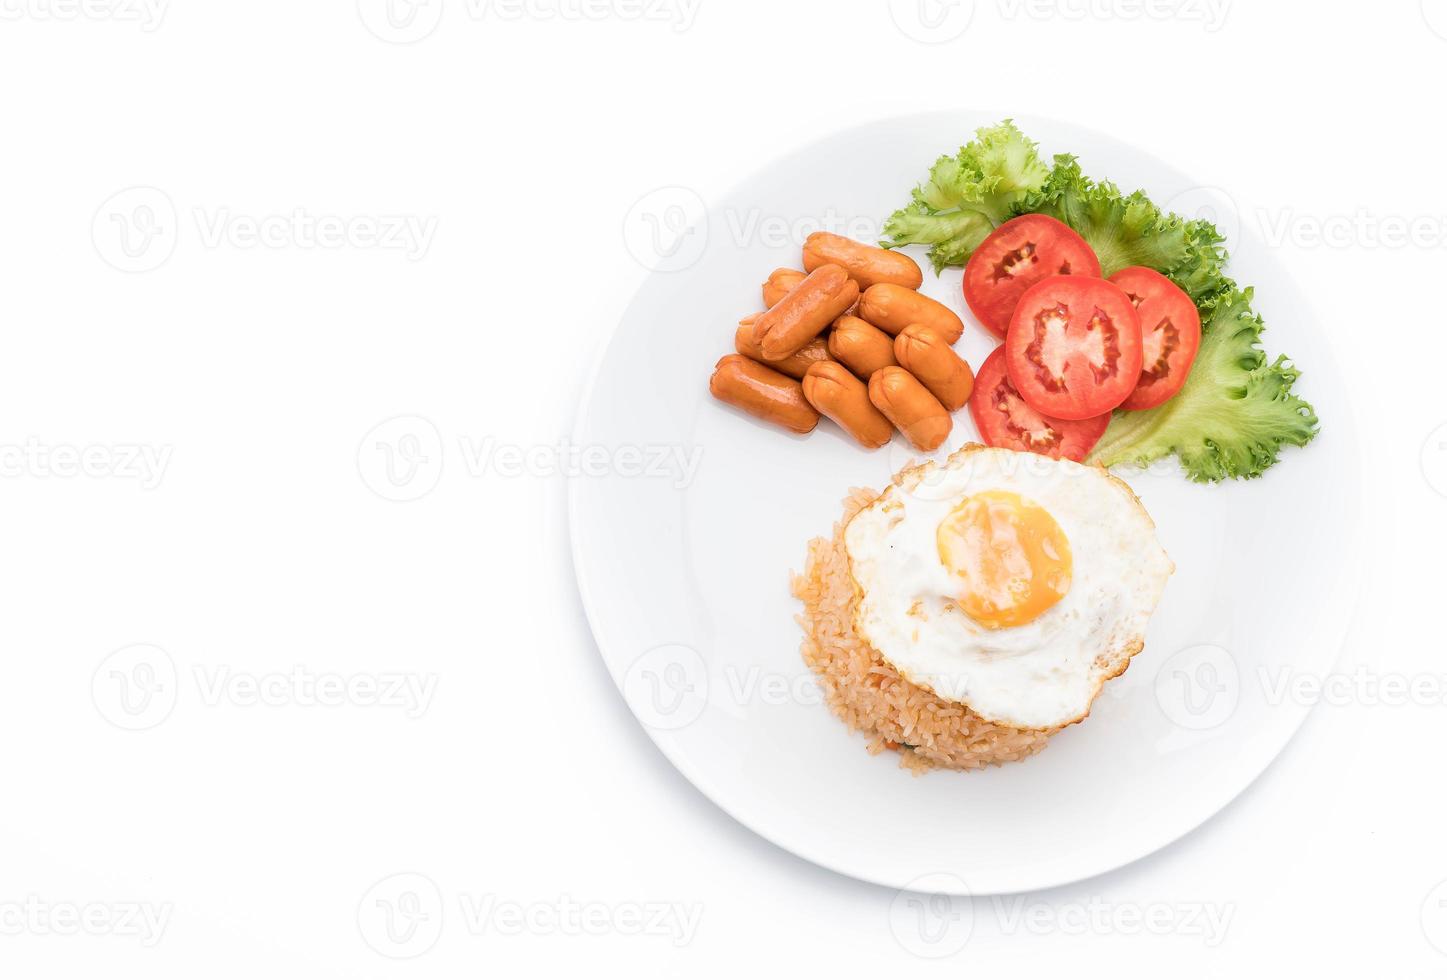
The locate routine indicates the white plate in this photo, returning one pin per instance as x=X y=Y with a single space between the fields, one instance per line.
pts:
x=685 y=581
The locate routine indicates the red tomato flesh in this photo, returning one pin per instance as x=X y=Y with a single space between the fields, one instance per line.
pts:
x=1016 y=256
x=1007 y=422
x=1170 y=334
x=1073 y=350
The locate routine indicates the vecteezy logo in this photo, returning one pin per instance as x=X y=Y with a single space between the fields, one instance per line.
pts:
x=401 y=458
x=1434 y=459
x=400 y=21
x=667 y=230
x=135 y=687
x=1211 y=204
x=667 y=687
x=1199 y=687
x=135 y=229
x=401 y=916
x=933 y=917
x=934 y=485
x=932 y=21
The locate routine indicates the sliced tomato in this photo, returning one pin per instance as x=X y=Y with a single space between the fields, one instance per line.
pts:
x=1073 y=350
x=1007 y=422
x=1170 y=334
x=1016 y=256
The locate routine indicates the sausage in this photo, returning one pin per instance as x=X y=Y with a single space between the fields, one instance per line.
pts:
x=762 y=392
x=891 y=308
x=924 y=354
x=803 y=314
x=866 y=264
x=794 y=365
x=844 y=398
x=910 y=406
x=860 y=346
x=780 y=281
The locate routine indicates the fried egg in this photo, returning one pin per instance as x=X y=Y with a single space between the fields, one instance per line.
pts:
x=1008 y=582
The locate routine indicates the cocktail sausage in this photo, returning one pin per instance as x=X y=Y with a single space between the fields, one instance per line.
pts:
x=866 y=264
x=860 y=346
x=891 y=308
x=910 y=406
x=762 y=392
x=803 y=314
x=844 y=398
x=923 y=353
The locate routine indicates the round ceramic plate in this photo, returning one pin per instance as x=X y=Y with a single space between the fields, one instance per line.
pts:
x=690 y=517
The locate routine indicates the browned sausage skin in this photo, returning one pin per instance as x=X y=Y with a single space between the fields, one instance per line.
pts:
x=910 y=406
x=794 y=365
x=866 y=264
x=891 y=308
x=923 y=353
x=803 y=314
x=762 y=392
x=844 y=398
x=860 y=346
x=780 y=281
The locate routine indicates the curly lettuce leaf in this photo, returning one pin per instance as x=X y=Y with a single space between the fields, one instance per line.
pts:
x=1127 y=229
x=952 y=235
x=968 y=195
x=1234 y=412
x=1201 y=273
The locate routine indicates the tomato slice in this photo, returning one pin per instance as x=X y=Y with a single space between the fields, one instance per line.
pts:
x=1074 y=347
x=1007 y=422
x=1170 y=334
x=1016 y=256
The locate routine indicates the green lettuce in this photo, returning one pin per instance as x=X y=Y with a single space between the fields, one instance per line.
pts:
x=1236 y=410
x=968 y=195
x=1127 y=229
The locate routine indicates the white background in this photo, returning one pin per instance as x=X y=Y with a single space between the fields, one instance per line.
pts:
x=263 y=835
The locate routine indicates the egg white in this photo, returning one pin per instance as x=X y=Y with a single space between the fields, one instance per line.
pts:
x=1042 y=674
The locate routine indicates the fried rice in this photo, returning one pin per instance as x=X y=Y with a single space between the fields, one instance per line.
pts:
x=869 y=695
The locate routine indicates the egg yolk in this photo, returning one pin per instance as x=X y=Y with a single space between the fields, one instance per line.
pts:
x=1010 y=556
